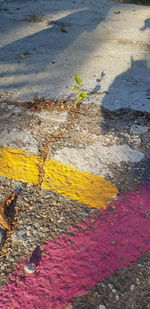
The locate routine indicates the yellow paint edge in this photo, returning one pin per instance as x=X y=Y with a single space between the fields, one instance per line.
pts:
x=66 y=180
x=19 y=165
x=82 y=186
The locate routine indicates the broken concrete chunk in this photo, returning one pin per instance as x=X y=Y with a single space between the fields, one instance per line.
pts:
x=17 y=139
x=96 y=157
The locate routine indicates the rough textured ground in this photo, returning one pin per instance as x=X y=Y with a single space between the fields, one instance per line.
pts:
x=43 y=215
x=107 y=43
x=128 y=288
x=72 y=263
x=113 y=144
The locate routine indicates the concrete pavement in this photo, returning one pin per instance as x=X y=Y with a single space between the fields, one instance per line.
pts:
x=88 y=154
x=44 y=44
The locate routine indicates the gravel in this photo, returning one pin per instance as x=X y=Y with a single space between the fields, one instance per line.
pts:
x=43 y=215
x=126 y=289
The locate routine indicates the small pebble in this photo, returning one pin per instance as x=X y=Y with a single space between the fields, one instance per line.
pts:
x=30 y=268
x=137 y=281
x=85 y=213
x=101 y=307
x=132 y=287
x=117 y=297
x=110 y=286
x=24 y=54
x=19 y=235
x=63 y=30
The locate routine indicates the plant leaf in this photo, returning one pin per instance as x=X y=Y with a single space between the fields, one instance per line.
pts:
x=82 y=95
x=78 y=80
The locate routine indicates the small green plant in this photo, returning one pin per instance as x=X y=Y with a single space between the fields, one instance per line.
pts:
x=78 y=88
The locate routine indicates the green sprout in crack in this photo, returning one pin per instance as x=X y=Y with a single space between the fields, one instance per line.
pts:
x=78 y=89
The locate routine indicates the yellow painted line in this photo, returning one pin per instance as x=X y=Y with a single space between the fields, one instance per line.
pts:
x=64 y=179
x=19 y=165
x=84 y=187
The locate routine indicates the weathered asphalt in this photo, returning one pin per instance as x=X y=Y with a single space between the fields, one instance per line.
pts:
x=89 y=154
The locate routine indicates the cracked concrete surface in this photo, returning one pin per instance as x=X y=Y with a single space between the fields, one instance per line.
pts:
x=96 y=157
x=43 y=45
x=108 y=44
x=17 y=139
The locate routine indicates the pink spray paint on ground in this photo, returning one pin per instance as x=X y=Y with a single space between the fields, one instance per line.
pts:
x=74 y=264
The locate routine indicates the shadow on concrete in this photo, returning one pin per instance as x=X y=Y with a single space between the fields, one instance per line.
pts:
x=130 y=89
x=126 y=106
x=36 y=53
x=146 y=24
x=47 y=43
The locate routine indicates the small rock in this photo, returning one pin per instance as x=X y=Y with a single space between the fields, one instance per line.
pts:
x=30 y=268
x=85 y=213
x=137 y=281
x=28 y=233
x=136 y=141
x=19 y=235
x=62 y=29
x=132 y=287
x=101 y=307
x=24 y=54
x=125 y=135
x=117 y=297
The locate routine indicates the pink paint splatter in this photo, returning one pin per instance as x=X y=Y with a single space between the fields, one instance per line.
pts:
x=74 y=264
